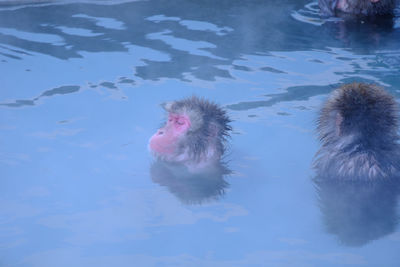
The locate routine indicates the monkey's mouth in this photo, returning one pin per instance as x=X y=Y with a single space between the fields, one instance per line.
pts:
x=161 y=149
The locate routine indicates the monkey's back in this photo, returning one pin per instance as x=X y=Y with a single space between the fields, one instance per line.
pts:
x=358 y=130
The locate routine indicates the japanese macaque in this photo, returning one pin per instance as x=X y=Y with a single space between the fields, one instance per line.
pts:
x=190 y=187
x=358 y=212
x=358 y=131
x=195 y=133
x=358 y=8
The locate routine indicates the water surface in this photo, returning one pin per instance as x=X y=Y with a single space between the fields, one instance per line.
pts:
x=81 y=87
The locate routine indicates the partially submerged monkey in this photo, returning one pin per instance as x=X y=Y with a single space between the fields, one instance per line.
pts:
x=358 y=130
x=194 y=133
x=358 y=8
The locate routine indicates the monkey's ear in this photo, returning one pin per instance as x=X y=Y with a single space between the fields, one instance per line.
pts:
x=338 y=123
x=167 y=106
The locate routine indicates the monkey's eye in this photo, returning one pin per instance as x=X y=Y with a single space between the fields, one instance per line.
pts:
x=172 y=118
x=180 y=121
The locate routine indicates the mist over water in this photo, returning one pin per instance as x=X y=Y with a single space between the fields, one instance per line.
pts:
x=81 y=85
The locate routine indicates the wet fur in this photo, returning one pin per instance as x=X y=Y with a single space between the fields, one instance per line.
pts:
x=209 y=128
x=367 y=8
x=363 y=8
x=358 y=131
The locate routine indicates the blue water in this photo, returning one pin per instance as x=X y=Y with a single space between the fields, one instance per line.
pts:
x=80 y=92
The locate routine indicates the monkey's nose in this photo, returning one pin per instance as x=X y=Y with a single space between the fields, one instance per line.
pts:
x=160 y=132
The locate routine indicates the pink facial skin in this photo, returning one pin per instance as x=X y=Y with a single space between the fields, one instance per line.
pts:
x=164 y=142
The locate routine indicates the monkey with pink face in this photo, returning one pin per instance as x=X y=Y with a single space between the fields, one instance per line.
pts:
x=195 y=133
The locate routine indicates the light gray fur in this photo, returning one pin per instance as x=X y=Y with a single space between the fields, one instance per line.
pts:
x=209 y=127
x=358 y=129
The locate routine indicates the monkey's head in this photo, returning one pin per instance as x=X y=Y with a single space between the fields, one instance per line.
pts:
x=195 y=130
x=366 y=8
x=359 y=110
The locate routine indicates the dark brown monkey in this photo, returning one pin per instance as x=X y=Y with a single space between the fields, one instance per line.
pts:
x=194 y=133
x=359 y=8
x=358 y=129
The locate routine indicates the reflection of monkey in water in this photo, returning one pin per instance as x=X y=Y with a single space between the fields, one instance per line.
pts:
x=358 y=212
x=358 y=130
x=190 y=187
x=357 y=8
x=194 y=134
